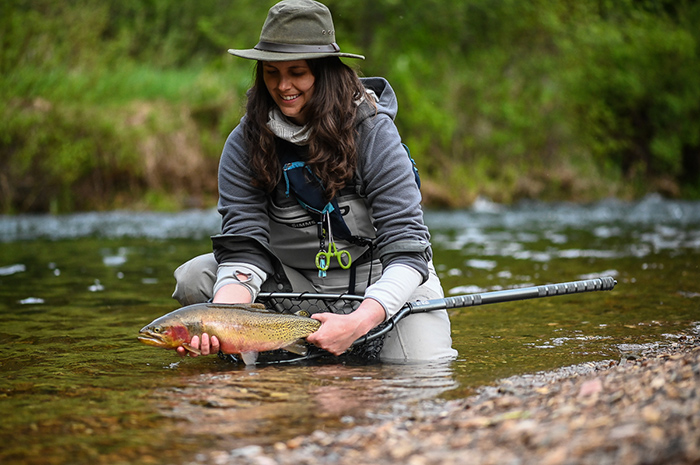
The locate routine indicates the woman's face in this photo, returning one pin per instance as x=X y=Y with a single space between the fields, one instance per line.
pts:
x=291 y=85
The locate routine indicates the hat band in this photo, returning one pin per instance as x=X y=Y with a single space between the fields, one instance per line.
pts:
x=297 y=48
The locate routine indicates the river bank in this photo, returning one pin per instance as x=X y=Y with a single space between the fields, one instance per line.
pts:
x=643 y=408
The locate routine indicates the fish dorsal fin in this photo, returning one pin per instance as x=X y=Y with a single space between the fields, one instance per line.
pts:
x=258 y=306
x=297 y=347
x=255 y=307
x=303 y=313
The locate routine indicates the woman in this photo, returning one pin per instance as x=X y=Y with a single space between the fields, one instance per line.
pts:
x=316 y=165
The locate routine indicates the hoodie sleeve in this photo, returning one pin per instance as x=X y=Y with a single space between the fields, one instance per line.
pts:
x=388 y=182
x=243 y=209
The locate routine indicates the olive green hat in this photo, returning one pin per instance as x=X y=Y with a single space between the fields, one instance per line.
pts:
x=296 y=30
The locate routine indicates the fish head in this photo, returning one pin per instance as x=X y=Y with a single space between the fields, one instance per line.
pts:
x=168 y=335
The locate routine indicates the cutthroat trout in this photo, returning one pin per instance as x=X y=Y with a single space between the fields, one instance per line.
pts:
x=241 y=329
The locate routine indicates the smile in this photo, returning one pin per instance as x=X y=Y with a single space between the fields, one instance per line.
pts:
x=291 y=97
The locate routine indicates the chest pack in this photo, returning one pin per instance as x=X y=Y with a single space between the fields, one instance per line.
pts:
x=308 y=190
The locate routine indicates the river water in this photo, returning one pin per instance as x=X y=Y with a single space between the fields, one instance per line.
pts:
x=77 y=387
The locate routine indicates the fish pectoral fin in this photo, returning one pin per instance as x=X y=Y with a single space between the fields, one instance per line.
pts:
x=249 y=358
x=191 y=349
x=297 y=347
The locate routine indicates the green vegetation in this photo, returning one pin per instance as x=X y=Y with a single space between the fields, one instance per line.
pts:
x=127 y=103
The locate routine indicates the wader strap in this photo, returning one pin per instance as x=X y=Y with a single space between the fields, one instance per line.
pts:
x=367 y=256
x=353 y=279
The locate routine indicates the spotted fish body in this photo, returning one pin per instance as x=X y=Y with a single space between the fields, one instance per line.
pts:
x=241 y=329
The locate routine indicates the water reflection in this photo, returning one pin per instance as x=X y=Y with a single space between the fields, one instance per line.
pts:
x=273 y=403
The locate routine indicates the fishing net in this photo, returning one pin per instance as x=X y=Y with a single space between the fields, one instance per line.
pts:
x=365 y=351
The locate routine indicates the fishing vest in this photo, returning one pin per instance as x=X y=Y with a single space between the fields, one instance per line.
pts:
x=308 y=190
x=297 y=206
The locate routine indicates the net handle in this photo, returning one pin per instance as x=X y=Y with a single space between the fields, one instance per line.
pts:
x=604 y=283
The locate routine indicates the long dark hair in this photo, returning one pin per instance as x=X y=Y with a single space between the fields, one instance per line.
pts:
x=331 y=120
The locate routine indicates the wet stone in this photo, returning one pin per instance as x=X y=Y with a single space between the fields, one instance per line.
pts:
x=645 y=410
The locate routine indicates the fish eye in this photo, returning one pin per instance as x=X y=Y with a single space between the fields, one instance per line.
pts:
x=156 y=329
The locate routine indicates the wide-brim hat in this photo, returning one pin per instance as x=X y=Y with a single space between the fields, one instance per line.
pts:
x=296 y=30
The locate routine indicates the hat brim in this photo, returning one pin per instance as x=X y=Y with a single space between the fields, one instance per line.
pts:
x=263 y=55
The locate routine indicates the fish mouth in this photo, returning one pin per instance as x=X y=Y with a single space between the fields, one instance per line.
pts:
x=151 y=339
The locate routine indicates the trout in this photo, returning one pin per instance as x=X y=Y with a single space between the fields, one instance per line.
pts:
x=244 y=329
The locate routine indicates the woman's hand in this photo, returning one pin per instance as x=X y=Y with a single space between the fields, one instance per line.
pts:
x=338 y=332
x=233 y=293
x=206 y=346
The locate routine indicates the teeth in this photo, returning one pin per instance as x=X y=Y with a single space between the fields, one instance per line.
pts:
x=292 y=97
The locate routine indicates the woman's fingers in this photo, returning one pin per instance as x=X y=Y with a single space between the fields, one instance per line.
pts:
x=207 y=345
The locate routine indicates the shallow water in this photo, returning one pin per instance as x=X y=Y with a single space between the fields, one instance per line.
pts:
x=76 y=386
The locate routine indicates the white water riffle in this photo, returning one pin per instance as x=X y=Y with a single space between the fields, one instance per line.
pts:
x=659 y=224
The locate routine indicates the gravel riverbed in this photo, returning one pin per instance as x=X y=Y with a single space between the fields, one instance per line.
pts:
x=641 y=409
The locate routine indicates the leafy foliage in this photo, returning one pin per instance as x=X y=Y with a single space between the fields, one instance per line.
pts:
x=505 y=98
